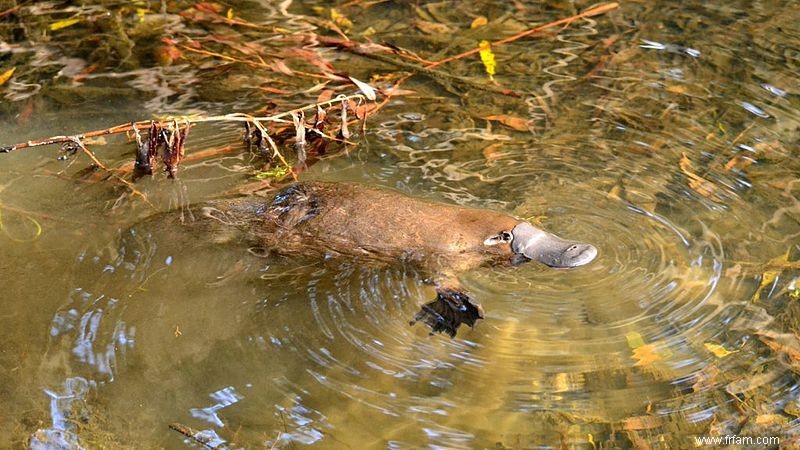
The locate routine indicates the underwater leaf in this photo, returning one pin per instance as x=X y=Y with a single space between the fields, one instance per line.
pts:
x=214 y=8
x=365 y=89
x=634 y=339
x=492 y=152
x=517 y=123
x=63 y=24
x=281 y=67
x=432 y=27
x=277 y=172
x=6 y=75
x=167 y=54
x=718 y=350
x=340 y=19
x=642 y=423
x=696 y=182
x=785 y=343
x=479 y=22
x=487 y=57
x=646 y=355
x=767 y=279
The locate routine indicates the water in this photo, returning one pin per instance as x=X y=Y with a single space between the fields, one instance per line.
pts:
x=663 y=133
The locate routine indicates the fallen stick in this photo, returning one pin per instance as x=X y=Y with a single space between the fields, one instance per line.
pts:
x=443 y=78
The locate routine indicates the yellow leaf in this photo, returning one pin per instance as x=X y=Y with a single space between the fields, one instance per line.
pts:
x=340 y=19
x=63 y=24
x=646 y=355
x=487 y=57
x=767 y=279
x=230 y=14
x=6 y=75
x=718 y=350
x=634 y=339
x=140 y=13
x=479 y=22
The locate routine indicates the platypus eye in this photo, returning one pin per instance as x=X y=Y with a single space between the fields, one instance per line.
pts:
x=503 y=236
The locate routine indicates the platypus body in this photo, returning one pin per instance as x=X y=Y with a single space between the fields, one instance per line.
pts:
x=330 y=219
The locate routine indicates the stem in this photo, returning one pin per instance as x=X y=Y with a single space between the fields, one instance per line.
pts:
x=592 y=12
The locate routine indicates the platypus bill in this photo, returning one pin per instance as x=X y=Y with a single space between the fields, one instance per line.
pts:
x=314 y=218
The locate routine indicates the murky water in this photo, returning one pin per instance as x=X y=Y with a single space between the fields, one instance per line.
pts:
x=664 y=133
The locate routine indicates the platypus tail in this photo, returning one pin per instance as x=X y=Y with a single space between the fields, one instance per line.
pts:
x=450 y=309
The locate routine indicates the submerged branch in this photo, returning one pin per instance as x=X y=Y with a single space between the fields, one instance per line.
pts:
x=602 y=9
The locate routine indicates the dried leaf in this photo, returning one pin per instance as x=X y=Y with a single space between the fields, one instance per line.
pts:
x=344 y=133
x=696 y=182
x=432 y=27
x=215 y=8
x=676 y=89
x=274 y=90
x=753 y=381
x=718 y=350
x=397 y=92
x=63 y=24
x=365 y=89
x=300 y=136
x=517 y=123
x=167 y=54
x=479 y=22
x=5 y=76
x=641 y=423
x=310 y=56
x=614 y=193
x=487 y=57
x=646 y=355
x=281 y=67
x=325 y=95
x=492 y=152
x=740 y=162
x=766 y=420
x=786 y=343
x=229 y=15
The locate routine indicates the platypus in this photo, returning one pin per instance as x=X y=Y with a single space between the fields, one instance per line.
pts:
x=348 y=219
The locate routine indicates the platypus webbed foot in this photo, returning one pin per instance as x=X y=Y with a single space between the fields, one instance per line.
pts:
x=450 y=309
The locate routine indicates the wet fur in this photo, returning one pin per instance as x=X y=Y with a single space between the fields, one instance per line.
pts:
x=377 y=225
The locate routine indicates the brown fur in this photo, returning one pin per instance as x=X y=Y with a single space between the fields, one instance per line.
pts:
x=378 y=225
x=370 y=223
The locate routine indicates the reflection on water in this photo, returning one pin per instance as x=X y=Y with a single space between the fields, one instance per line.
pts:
x=664 y=134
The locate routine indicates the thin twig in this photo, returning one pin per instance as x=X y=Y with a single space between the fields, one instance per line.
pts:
x=193 y=434
x=592 y=12
x=444 y=78
x=127 y=183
